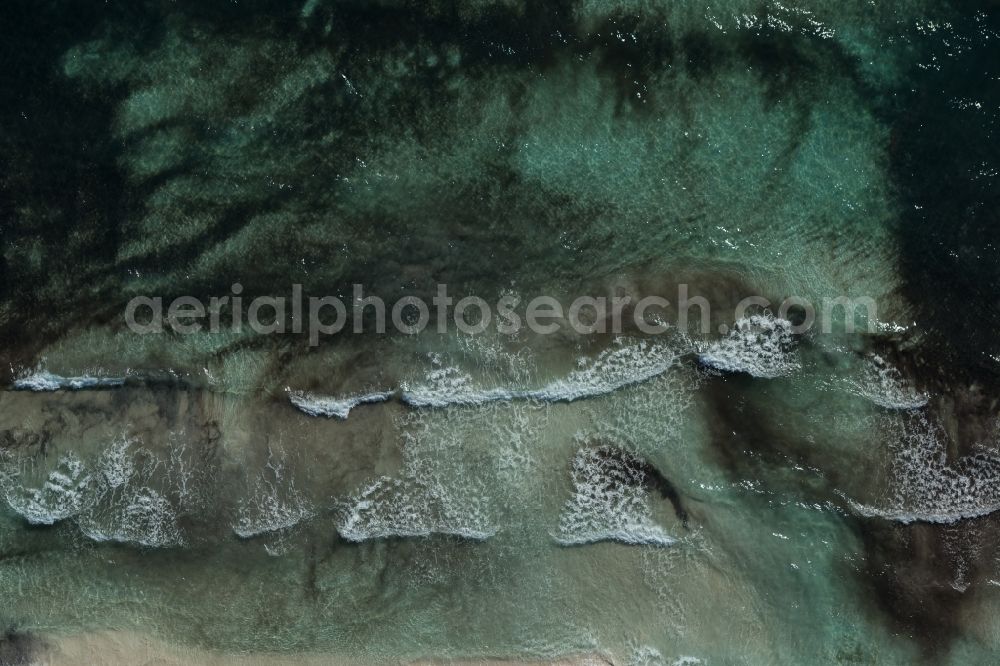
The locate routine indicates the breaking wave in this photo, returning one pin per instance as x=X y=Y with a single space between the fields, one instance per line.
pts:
x=647 y=655
x=43 y=380
x=611 y=370
x=610 y=501
x=760 y=346
x=110 y=501
x=273 y=503
x=925 y=486
x=885 y=386
x=443 y=387
x=411 y=507
x=138 y=515
x=59 y=497
x=314 y=404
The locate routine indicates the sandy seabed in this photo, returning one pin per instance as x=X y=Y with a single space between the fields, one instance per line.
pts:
x=113 y=648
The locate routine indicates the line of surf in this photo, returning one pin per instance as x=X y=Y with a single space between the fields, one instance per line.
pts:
x=44 y=381
x=444 y=387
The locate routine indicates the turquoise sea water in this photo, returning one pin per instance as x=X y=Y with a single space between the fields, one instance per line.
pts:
x=825 y=497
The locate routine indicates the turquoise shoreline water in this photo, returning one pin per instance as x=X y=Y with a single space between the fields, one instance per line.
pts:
x=730 y=497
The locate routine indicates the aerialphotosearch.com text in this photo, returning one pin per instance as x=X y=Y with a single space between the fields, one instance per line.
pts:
x=320 y=316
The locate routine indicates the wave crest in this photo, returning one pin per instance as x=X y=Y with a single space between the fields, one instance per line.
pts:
x=760 y=346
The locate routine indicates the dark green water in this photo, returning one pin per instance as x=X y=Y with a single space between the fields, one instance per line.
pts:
x=828 y=499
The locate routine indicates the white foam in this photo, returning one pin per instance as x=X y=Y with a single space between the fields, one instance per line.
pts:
x=610 y=502
x=629 y=363
x=760 y=346
x=117 y=464
x=43 y=380
x=925 y=486
x=906 y=516
x=141 y=516
x=126 y=508
x=885 y=386
x=647 y=655
x=410 y=507
x=449 y=386
x=613 y=369
x=273 y=503
x=315 y=404
x=112 y=503
x=270 y=512
x=62 y=495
